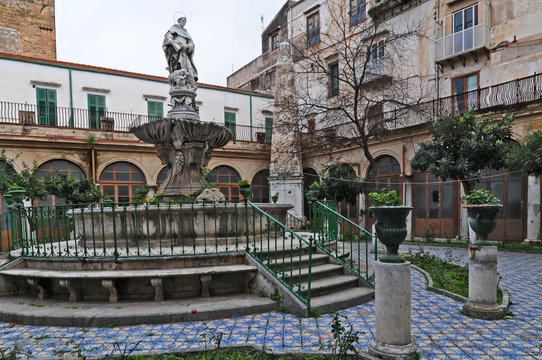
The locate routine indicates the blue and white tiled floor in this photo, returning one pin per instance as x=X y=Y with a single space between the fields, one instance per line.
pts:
x=438 y=328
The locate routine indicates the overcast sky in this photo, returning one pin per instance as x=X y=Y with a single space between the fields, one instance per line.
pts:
x=128 y=34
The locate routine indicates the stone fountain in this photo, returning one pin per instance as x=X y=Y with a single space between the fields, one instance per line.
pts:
x=182 y=141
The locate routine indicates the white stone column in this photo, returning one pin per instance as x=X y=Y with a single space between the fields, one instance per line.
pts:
x=290 y=190
x=482 y=303
x=533 y=209
x=393 y=338
x=407 y=194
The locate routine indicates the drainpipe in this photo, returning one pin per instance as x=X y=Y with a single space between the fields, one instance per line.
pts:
x=71 y=98
x=251 y=132
x=93 y=162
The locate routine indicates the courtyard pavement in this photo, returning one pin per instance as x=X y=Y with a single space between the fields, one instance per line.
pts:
x=438 y=328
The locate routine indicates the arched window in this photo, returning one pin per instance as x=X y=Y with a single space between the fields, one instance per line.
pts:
x=385 y=174
x=226 y=179
x=162 y=175
x=120 y=181
x=309 y=177
x=55 y=168
x=4 y=168
x=260 y=187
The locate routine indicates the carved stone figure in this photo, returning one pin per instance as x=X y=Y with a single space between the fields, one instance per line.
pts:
x=179 y=49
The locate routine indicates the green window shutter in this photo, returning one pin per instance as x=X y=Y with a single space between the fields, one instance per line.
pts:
x=155 y=110
x=268 y=129
x=46 y=100
x=229 y=121
x=96 y=110
x=41 y=95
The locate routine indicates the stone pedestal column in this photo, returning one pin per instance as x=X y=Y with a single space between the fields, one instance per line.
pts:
x=392 y=309
x=482 y=303
x=533 y=209
x=290 y=190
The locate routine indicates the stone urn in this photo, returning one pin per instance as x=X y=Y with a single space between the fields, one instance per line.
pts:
x=245 y=191
x=18 y=196
x=391 y=229
x=483 y=220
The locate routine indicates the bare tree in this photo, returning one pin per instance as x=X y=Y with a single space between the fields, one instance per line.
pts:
x=361 y=77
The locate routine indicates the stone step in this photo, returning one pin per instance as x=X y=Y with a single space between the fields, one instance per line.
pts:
x=16 y=309
x=318 y=272
x=329 y=285
x=342 y=299
x=298 y=261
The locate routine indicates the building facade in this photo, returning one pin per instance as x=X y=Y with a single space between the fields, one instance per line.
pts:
x=467 y=55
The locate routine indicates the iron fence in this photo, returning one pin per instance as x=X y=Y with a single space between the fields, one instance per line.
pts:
x=30 y=114
x=345 y=241
x=121 y=230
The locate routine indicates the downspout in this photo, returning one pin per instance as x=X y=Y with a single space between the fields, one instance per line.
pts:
x=71 y=98
x=93 y=161
x=251 y=132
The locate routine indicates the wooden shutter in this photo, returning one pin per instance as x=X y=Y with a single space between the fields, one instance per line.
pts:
x=268 y=129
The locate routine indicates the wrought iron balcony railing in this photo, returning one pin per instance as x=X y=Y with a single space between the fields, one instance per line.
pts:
x=62 y=117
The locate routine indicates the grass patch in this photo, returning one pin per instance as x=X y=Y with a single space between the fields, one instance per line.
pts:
x=223 y=354
x=445 y=275
x=501 y=246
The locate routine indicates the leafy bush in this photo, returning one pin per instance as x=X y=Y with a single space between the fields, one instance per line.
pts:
x=244 y=182
x=74 y=191
x=480 y=197
x=390 y=198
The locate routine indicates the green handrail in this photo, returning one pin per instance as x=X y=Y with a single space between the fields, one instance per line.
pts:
x=272 y=258
x=343 y=232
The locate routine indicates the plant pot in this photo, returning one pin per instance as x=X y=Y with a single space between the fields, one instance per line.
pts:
x=18 y=196
x=275 y=198
x=391 y=229
x=245 y=191
x=9 y=200
x=482 y=220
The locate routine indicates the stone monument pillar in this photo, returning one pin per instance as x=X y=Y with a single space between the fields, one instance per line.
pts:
x=286 y=169
x=392 y=310
x=482 y=303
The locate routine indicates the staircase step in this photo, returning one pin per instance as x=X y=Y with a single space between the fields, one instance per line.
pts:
x=342 y=299
x=318 y=272
x=297 y=261
x=330 y=285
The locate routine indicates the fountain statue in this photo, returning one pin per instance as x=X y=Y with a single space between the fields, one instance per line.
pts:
x=182 y=141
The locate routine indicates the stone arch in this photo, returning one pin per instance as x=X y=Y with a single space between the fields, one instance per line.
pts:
x=120 y=179
x=365 y=166
x=260 y=186
x=226 y=178
x=85 y=168
x=103 y=165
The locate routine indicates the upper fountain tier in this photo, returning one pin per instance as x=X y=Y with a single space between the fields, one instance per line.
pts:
x=182 y=141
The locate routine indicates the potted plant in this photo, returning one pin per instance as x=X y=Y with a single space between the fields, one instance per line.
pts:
x=313 y=192
x=390 y=223
x=482 y=208
x=275 y=198
x=17 y=193
x=244 y=188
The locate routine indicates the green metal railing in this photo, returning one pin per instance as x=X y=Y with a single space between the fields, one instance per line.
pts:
x=295 y=223
x=282 y=252
x=127 y=230
x=345 y=241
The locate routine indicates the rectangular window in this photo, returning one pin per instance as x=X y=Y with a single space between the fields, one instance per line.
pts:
x=229 y=121
x=375 y=117
x=268 y=129
x=333 y=80
x=464 y=22
x=274 y=41
x=357 y=11
x=313 y=29
x=376 y=51
x=46 y=99
x=465 y=97
x=155 y=110
x=96 y=110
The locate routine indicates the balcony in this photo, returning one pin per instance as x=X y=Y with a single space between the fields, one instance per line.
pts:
x=65 y=117
x=474 y=36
